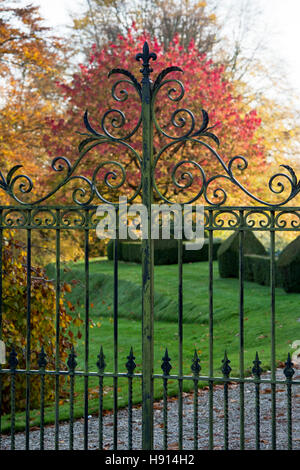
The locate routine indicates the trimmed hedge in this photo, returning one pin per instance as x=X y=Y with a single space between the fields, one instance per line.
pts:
x=228 y=253
x=257 y=269
x=289 y=266
x=190 y=256
x=165 y=251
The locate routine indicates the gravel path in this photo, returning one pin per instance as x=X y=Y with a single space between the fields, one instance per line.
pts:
x=188 y=444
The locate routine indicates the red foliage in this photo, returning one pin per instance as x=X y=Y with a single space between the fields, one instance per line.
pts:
x=206 y=87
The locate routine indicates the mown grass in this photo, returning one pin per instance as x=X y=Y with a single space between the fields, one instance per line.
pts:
x=257 y=326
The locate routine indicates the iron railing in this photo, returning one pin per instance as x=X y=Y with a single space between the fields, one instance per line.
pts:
x=80 y=216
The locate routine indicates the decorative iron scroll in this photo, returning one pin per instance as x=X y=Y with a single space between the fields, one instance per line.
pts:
x=215 y=218
x=114 y=173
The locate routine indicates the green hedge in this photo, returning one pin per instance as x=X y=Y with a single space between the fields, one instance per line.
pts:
x=289 y=266
x=257 y=269
x=228 y=253
x=190 y=256
x=165 y=251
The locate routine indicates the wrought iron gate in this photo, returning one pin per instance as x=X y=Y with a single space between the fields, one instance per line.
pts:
x=265 y=217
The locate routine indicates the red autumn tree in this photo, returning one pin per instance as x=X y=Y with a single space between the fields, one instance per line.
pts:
x=206 y=88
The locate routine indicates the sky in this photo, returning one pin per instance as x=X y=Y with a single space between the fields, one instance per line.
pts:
x=284 y=16
x=281 y=18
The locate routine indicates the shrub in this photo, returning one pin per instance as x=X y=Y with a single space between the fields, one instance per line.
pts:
x=14 y=323
x=289 y=266
x=190 y=256
x=257 y=269
x=110 y=249
x=165 y=251
x=228 y=253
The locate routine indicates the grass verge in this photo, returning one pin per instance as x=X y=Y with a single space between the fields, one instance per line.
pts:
x=226 y=331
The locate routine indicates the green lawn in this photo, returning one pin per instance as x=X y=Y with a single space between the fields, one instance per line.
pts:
x=257 y=321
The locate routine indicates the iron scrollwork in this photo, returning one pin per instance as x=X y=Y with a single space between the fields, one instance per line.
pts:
x=113 y=131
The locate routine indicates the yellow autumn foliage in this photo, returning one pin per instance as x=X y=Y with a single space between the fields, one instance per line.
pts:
x=42 y=323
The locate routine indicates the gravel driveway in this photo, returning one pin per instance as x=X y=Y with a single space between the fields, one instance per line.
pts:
x=234 y=417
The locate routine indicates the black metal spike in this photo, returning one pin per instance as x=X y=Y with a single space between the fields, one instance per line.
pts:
x=226 y=369
x=288 y=370
x=101 y=363
x=166 y=366
x=145 y=56
x=196 y=364
x=130 y=364
x=72 y=361
x=42 y=359
x=13 y=359
x=256 y=370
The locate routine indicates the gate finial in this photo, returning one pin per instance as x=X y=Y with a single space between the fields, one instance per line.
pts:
x=145 y=56
x=288 y=370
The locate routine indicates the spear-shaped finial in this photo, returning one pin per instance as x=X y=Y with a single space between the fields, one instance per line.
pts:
x=72 y=361
x=42 y=359
x=145 y=56
x=166 y=366
x=130 y=364
x=101 y=362
x=13 y=359
x=256 y=369
x=196 y=364
x=288 y=370
x=226 y=369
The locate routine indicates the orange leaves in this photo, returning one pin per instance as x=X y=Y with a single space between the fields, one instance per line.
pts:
x=70 y=305
x=42 y=321
x=24 y=40
x=29 y=64
x=67 y=287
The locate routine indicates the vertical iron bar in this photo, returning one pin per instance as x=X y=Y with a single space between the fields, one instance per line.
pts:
x=289 y=372
x=130 y=413
x=12 y=404
x=42 y=411
x=116 y=368
x=130 y=366
x=211 y=330
x=165 y=414
x=226 y=369
x=87 y=319
x=42 y=364
x=225 y=416
x=100 y=423
x=28 y=333
x=196 y=370
x=273 y=343
x=241 y=332
x=72 y=365
x=196 y=408
x=13 y=362
x=166 y=367
x=180 y=339
x=71 y=428
x=101 y=366
x=289 y=413
x=256 y=370
x=147 y=258
x=57 y=328
x=1 y=294
x=257 y=415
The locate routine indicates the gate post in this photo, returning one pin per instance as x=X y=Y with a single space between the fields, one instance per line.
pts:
x=147 y=253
